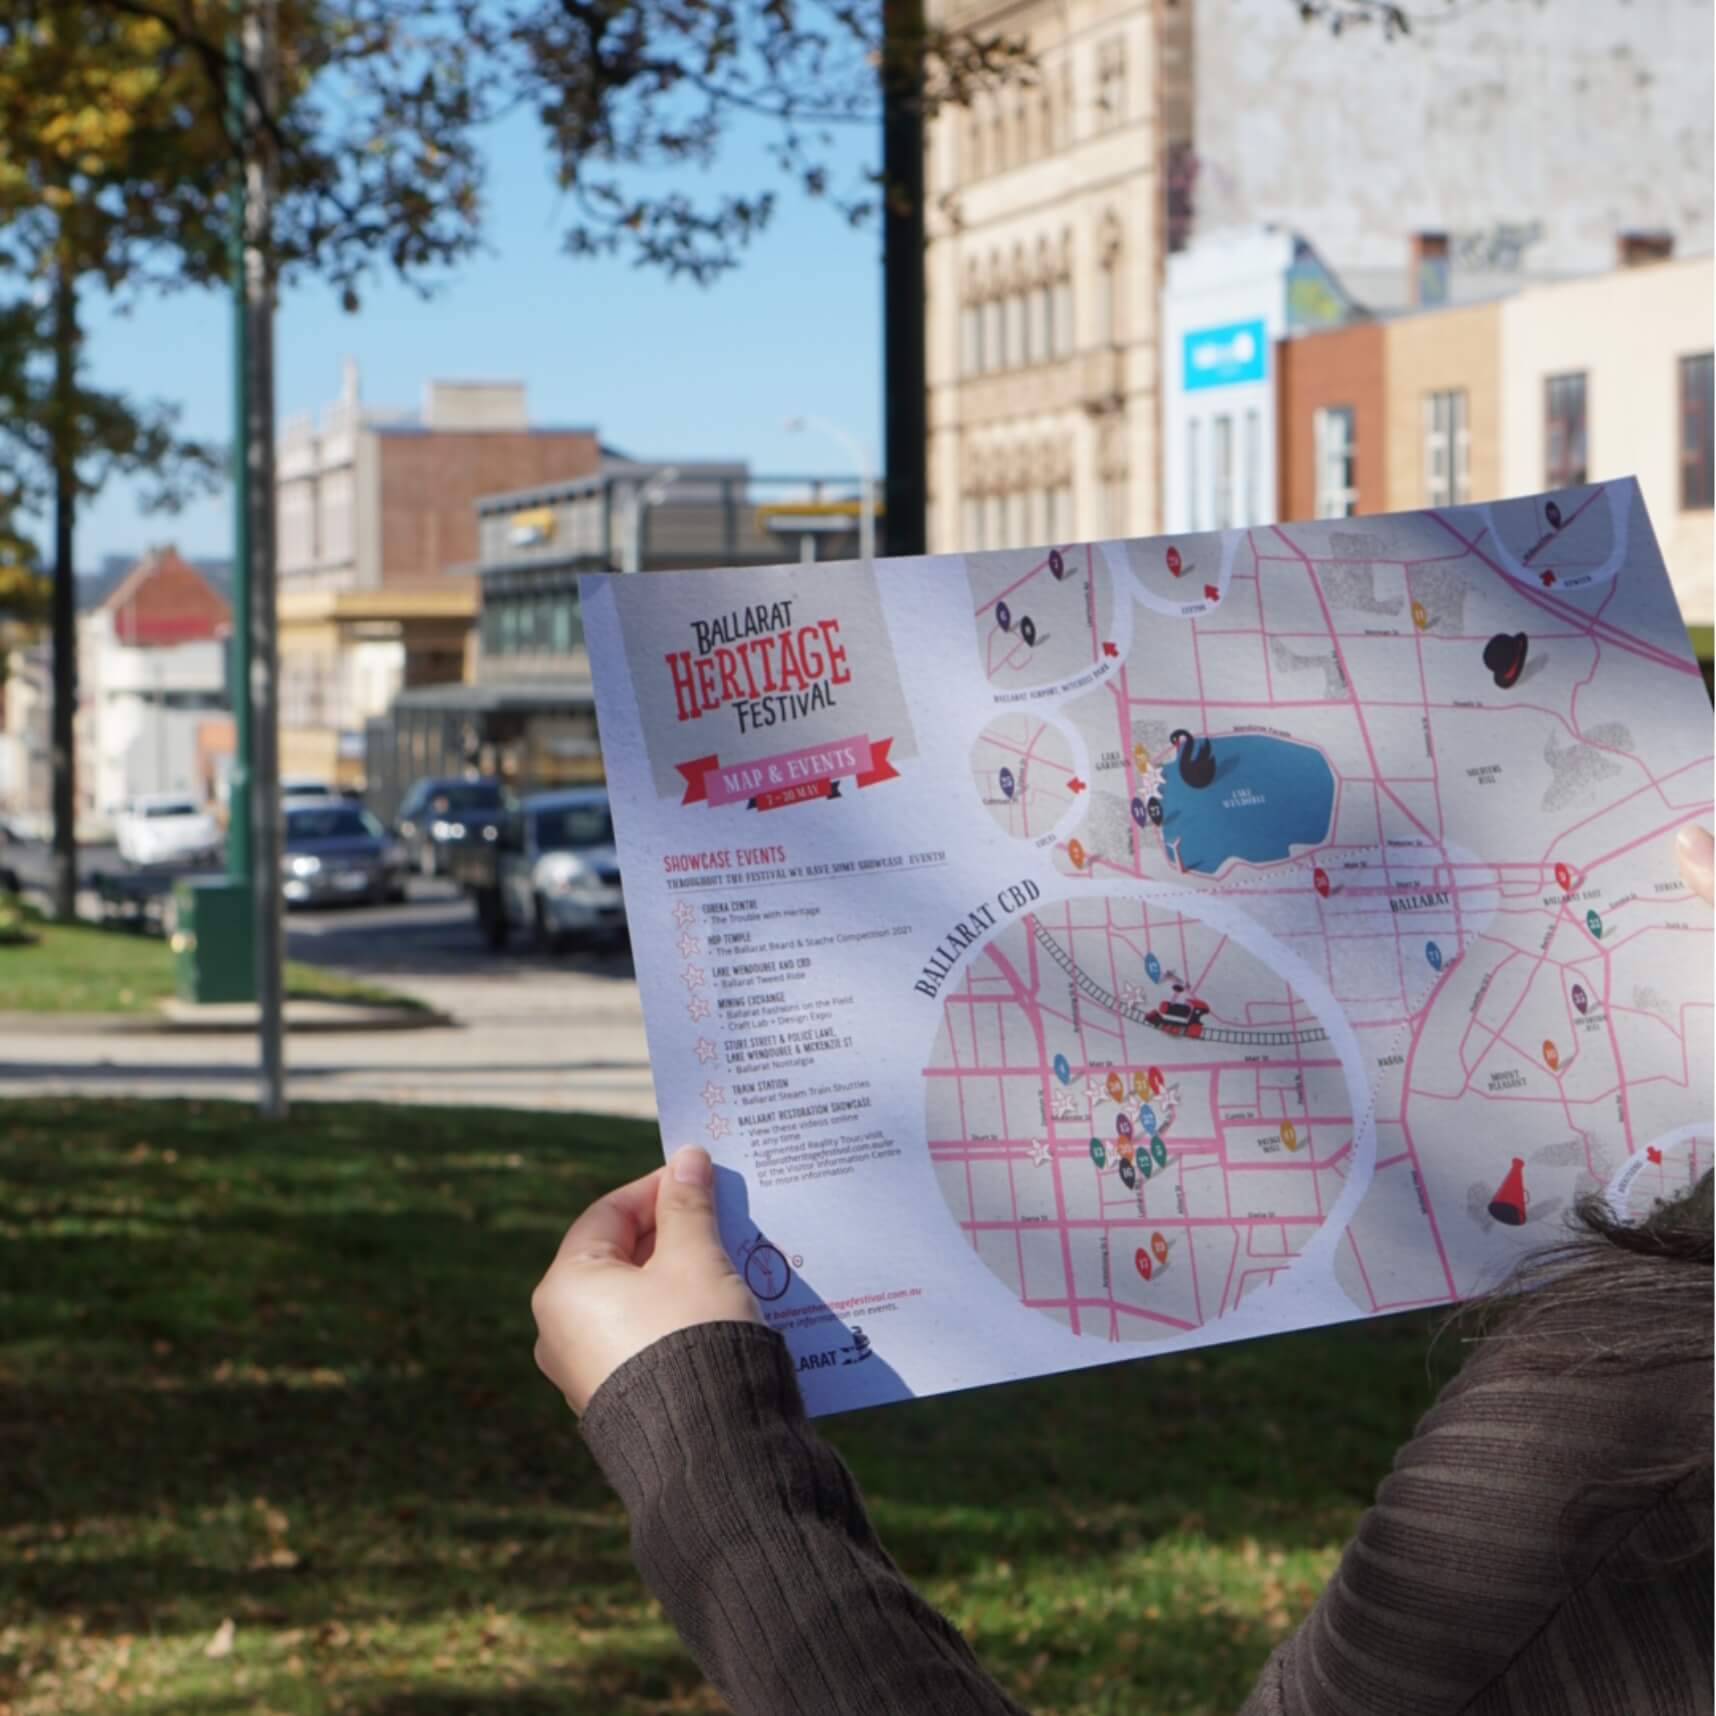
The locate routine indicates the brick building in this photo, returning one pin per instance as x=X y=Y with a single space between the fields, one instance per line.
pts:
x=1331 y=395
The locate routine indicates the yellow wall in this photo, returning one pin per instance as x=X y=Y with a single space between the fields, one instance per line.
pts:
x=1432 y=353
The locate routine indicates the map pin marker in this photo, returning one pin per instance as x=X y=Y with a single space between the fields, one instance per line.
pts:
x=1116 y=1087
x=1128 y=1176
x=1551 y=1055
x=1563 y=878
x=1153 y=967
x=1175 y=564
x=1123 y=1125
x=1289 y=1135
x=1098 y=1154
x=1594 y=924
x=1063 y=1070
x=1159 y=1150
x=1141 y=1262
x=1028 y=630
x=1159 y=1245
x=1320 y=881
x=1007 y=783
x=1003 y=616
x=1075 y=854
x=1140 y=813
x=1140 y=1086
x=1419 y=618
x=1434 y=954
x=1057 y=566
x=1580 y=999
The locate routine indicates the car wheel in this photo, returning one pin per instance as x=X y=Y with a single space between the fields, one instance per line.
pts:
x=491 y=919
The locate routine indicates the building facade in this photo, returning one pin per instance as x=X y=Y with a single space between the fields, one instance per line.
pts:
x=373 y=509
x=1492 y=147
x=152 y=669
x=1046 y=229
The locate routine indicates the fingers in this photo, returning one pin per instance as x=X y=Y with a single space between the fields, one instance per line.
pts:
x=613 y=1228
x=1693 y=847
x=685 y=1205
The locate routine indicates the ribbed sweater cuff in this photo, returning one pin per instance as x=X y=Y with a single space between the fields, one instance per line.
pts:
x=707 y=1386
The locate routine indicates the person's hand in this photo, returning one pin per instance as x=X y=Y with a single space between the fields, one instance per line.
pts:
x=1693 y=847
x=643 y=1262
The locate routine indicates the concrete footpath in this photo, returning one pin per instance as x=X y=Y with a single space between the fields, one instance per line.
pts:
x=527 y=1035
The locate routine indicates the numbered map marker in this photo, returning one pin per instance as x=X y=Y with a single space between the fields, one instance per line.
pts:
x=1147 y=1118
x=1580 y=999
x=1144 y=1164
x=1140 y=758
x=1128 y=1175
x=1063 y=1069
x=1563 y=878
x=1175 y=564
x=1154 y=807
x=1140 y=813
x=1075 y=854
x=1140 y=1086
x=1028 y=630
x=1007 y=783
x=1289 y=1135
x=1553 y=513
x=1594 y=924
x=1123 y=1125
x=1159 y=1150
x=1115 y=1085
x=1156 y=1080
x=1159 y=1245
x=1551 y=1055
x=1004 y=616
x=1098 y=1154
x=1320 y=881
x=1153 y=967
x=1419 y=618
x=1141 y=1262
x=1057 y=566
x=1434 y=954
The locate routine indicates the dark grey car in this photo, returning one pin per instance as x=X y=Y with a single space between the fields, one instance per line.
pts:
x=438 y=814
x=334 y=851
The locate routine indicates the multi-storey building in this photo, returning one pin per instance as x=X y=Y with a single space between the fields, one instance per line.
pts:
x=372 y=509
x=1046 y=230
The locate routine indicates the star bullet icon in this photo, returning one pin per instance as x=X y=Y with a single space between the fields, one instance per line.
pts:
x=716 y=1126
x=1065 y=1105
x=706 y=1051
x=1150 y=782
x=1039 y=1153
x=1133 y=994
x=693 y=978
x=689 y=947
x=684 y=914
x=714 y=1094
x=697 y=1007
x=1095 y=1090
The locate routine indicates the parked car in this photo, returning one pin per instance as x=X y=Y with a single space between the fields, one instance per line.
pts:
x=552 y=870
x=306 y=786
x=331 y=850
x=437 y=813
x=163 y=829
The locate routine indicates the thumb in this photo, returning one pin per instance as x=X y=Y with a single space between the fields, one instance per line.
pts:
x=1694 y=849
x=685 y=1206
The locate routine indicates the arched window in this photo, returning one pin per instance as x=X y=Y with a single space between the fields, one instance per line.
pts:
x=998 y=141
x=1022 y=150
x=1046 y=120
x=1109 y=283
x=1043 y=306
x=973 y=143
x=995 y=315
x=1063 y=300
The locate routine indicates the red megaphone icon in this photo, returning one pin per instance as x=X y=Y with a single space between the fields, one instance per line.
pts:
x=1508 y=1205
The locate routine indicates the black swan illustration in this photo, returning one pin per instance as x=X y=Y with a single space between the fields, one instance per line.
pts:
x=1197 y=764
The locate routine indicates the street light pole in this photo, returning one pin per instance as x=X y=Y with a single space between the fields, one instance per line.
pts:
x=642 y=500
x=261 y=684
x=860 y=456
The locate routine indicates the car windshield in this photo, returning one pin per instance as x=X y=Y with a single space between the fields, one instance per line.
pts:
x=179 y=807
x=465 y=795
x=305 y=789
x=336 y=822
x=573 y=826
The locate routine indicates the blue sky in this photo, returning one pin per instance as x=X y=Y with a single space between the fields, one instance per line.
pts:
x=661 y=368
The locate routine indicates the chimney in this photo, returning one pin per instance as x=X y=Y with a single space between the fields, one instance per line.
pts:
x=1429 y=269
x=1634 y=248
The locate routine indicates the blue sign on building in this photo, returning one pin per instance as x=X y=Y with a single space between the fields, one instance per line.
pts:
x=1219 y=357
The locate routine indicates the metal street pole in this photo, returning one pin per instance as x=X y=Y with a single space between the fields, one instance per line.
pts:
x=643 y=498
x=905 y=403
x=860 y=456
x=261 y=689
x=238 y=782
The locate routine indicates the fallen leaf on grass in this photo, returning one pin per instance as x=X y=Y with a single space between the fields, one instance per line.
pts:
x=221 y=1644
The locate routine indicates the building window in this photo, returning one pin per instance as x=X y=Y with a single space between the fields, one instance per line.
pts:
x=995 y=353
x=1253 y=467
x=1111 y=83
x=1052 y=514
x=1063 y=313
x=1564 y=431
x=1695 y=403
x=1027 y=330
x=1337 y=462
x=1447 y=454
x=1045 y=321
x=1108 y=291
x=1221 y=473
x=1430 y=264
x=970 y=338
x=1194 y=512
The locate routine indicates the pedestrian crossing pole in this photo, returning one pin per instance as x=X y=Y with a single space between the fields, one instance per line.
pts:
x=253 y=849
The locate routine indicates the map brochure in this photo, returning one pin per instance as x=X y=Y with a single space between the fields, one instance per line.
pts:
x=1069 y=954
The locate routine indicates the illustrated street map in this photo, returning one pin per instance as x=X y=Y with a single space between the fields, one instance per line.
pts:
x=1071 y=954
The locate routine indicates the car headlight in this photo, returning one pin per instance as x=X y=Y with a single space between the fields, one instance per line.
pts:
x=491 y=832
x=303 y=864
x=561 y=873
x=443 y=830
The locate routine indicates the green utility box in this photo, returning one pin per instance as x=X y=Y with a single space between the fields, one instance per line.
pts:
x=212 y=940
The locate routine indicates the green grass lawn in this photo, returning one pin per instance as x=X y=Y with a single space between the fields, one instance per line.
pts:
x=80 y=968
x=283 y=1377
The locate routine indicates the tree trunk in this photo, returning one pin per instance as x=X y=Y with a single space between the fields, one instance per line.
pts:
x=64 y=607
x=905 y=402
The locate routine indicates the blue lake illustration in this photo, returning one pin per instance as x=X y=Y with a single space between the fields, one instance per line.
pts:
x=1268 y=796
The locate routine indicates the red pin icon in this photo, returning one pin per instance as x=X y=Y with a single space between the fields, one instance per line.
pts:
x=1175 y=564
x=1211 y=593
x=1563 y=878
x=1141 y=1258
x=1320 y=881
